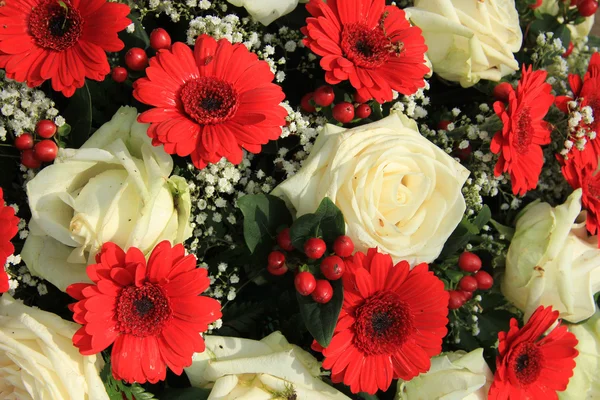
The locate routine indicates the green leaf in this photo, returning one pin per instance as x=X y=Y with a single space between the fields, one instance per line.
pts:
x=79 y=115
x=507 y=231
x=594 y=41
x=547 y=23
x=185 y=394
x=482 y=218
x=564 y=34
x=321 y=319
x=118 y=390
x=64 y=130
x=327 y=222
x=465 y=232
x=263 y=214
x=139 y=37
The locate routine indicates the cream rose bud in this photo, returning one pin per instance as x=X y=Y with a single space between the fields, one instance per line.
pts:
x=116 y=188
x=585 y=383
x=452 y=376
x=236 y=368
x=398 y=191
x=266 y=11
x=551 y=261
x=469 y=40
x=38 y=359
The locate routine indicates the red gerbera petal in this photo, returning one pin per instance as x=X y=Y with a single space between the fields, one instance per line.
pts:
x=9 y=226
x=208 y=106
x=530 y=365
x=133 y=304
x=63 y=41
x=391 y=324
x=368 y=43
x=524 y=131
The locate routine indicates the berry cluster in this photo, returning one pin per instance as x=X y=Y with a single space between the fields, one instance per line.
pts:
x=343 y=112
x=332 y=267
x=469 y=262
x=136 y=58
x=45 y=150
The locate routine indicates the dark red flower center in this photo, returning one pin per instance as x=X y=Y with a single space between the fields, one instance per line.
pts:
x=209 y=100
x=383 y=323
x=55 y=25
x=366 y=47
x=526 y=362
x=523 y=133
x=143 y=311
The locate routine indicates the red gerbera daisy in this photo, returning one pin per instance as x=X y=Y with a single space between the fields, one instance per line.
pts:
x=391 y=324
x=530 y=365
x=368 y=43
x=9 y=226
x=151 y=311
x=524 y=130
x=211 y=103
x=62 y=40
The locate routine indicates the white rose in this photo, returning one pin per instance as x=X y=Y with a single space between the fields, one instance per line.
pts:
x=577 y=31
x=398 y=191
x=38 y=359
x=452 y=376
x=116 y=188
x=266 y=11
x=469 y=40
x=551 y=261
x=585 y=383
x=258 y=370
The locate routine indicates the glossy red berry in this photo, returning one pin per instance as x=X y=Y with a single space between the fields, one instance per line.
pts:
x=284 y=240
x=467 y=284
x=323 y=292
x=343 y=112
x=469 y=262
x=277 y=271
x=136 y=59
x=305 y=283
x=360 y=99
x=24 y=141
x=501 y=91
x=45 y=151
x=276 y=259
x=457 y=300
x=587 y=8
x=443 y=124
x=119 y=74
x=324 y=96
x=160 y=39
x=314 y=248
x=484 y=280
x=343 y=246
x=467 y=295
x=306 y=104
x=363 y=111
x=333 y=267
x=463 y=154
x=536 y=4
x=28 y=159
x=45 y=128
x=569 y=50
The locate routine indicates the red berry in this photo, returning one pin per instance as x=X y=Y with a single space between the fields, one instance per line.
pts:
x=443 y=125
x=119 y=74
x=284 y=240
x=569 y=50
x=305 y=283
x=484 y=280
x=343 y=112
x=45 y=128
x=467 y=295
x=324 y=96
x=469 y=262
x=536 y=4
x=333 y=267
x=276 y=259
x=467 y=284
x=24 y=141
x=323 y=292
x=587 y=8
x=277 y=271
x=456 y=300
x=502 y=90
x=45 y=151
x=28 y=159
x=160 y=39
x=314 y=248
x=343 y=246
x=136 y=59
x=463 y=154
x=305 y=103
x=363 y=111
x=360 y=99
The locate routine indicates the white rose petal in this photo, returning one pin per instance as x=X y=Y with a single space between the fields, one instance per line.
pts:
x=266 y=11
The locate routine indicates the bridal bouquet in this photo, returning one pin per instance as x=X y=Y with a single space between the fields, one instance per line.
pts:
x=284 y=199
